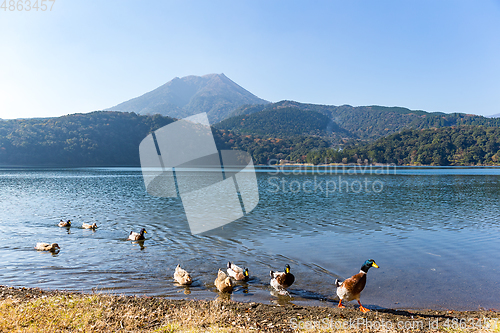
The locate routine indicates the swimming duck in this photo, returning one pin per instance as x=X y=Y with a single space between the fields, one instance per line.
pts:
x=64 y=224
x=181 y=276
x=223 y=282
x=137 y=235
x=282 y=280
x=237 y=273
x=351 y=288
x=89 y=226
x=47 y=247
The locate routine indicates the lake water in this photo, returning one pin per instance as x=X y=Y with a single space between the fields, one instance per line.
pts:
x=434 y=232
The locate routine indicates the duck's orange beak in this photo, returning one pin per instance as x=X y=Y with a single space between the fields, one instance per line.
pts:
x=375 y=265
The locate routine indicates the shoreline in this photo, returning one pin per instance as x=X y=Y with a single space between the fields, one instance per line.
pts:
x=33 y=309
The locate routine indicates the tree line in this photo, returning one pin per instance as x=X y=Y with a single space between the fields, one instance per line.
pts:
x=102 y=138
x=447 y=146
x=107 y=138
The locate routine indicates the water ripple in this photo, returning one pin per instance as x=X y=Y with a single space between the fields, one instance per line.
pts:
x=434 y=234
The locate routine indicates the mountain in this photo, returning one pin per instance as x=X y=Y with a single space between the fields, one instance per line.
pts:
x=100 y=138
x=107 y=138
x=284 y=122
x=372 y=122
x=110 y=138
x=460 y=145
x=214 y=94
x=497 y=115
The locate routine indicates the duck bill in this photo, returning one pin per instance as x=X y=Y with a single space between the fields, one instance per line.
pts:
x=375 y=265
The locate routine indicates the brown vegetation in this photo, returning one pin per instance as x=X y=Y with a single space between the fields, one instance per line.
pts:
x=34 y=310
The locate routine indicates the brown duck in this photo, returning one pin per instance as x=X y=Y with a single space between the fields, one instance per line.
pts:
x=181 y=276
x=223 y=282
x=47 y=247
x=282 y=280
x=92 y=226
x=351 y=288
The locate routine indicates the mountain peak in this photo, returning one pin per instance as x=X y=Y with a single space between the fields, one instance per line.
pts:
x=215 y=94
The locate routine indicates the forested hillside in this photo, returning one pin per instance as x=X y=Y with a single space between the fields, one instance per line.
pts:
x=284 y=122
x=265 y=149
x=463 y=145
x=107 y=138
x=112 y=139
x=92 y=139
x=371 y=122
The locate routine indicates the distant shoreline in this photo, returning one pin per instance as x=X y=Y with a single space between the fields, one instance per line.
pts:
x=28 y=309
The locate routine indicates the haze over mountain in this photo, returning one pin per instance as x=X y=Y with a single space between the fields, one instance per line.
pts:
x=497 y=115
x=214 y=94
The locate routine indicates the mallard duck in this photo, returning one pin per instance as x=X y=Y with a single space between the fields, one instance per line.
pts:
x=223 y=282
x=47 y=247
x=64 y=224
x=237 y=273
x=351 y=288
x=137 y=235
x=181 y=276
x=89 y=226
x=282 y=280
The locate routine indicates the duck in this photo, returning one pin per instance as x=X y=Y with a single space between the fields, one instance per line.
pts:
x=223 y=282
x=47 y=247
x=282 y=280
x=181 y=276
x=351 y=288
x=237 y=273
x=63 y=224
x=137 y=235
x=89 y=226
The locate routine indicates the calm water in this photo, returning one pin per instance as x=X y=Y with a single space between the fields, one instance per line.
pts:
x=435 y=233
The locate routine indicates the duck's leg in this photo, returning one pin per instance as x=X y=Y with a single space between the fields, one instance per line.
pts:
x=340 y=304
x=362 y=308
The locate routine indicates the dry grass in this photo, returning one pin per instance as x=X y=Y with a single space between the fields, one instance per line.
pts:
x=102 y=313
x=33 y=310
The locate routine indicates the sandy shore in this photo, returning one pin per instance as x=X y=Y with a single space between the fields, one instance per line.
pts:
x=35 y=310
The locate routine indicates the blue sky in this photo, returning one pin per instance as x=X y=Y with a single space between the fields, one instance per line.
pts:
x=88 y=55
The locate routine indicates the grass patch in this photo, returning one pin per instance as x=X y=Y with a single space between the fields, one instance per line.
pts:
x=104 y=313
x=34 y=310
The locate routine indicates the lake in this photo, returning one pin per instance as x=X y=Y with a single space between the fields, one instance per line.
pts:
x=434 y=232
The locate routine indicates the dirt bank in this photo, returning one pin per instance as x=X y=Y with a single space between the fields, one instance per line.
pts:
x=35 y=310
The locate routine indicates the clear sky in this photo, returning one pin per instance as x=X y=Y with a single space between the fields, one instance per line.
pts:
x=86 y=55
